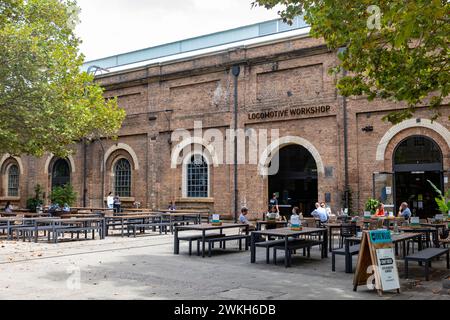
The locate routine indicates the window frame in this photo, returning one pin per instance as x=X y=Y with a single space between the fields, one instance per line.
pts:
x=119 y=189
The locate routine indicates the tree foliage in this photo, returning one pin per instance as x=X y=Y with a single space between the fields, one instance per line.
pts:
x=46 y=102
x=63 y=195
x=395 y=49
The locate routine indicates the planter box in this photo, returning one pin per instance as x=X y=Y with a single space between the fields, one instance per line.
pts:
x=446 y=283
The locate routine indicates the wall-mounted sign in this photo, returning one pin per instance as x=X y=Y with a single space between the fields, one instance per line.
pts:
x=287 y=113
x=388 y=190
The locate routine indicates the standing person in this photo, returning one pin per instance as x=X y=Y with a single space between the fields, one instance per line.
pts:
x=110 y=201
x=274 y=202
x=380 y=211
x=8 y=207
x=172 y=207
x=117 y=204
x=404 y=211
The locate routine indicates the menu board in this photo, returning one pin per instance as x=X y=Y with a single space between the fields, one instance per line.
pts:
x=376 y=261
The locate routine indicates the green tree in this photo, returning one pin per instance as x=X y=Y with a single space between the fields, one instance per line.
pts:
x=46 y=102
x=395 y=49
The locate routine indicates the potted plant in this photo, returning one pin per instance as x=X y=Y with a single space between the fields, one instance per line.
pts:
x=442 y=200
x=372 y=205
x=37 y=201
x=63 y=195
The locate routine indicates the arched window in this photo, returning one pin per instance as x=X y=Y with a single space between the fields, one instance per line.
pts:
x=13 y=181
x=197 y=177
x=60 y=173
x=122 y=175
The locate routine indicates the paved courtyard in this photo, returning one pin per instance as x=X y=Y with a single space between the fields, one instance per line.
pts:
x=145 y=268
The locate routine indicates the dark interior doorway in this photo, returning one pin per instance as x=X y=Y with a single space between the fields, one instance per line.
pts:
x=60 y=173
x=296 y=182
x=418 y=159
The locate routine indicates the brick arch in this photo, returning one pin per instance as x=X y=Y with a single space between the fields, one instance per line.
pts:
x=7 y=158
x=110 y=162
x=415 y=131
x=435 y=127
x=275 y=146
x=51 y=159
x=126 y=150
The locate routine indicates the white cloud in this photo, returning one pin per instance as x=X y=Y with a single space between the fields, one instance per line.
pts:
x=110 y=27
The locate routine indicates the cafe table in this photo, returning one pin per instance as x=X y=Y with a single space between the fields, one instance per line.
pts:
x=203 y=228
x=396 y=239
x=431 y=234
x=332 y=226
x=286 y=233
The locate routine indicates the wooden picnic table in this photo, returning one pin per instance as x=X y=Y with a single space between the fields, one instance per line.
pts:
x=287 y=233
x=126 y=219
x=55 y=226
x=25 y=214
x=396 y=239
x=203 y=228
x=431 y=234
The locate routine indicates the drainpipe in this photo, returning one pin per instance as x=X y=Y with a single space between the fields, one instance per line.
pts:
x=236 y=70
x=346 y=173
x=85 y=173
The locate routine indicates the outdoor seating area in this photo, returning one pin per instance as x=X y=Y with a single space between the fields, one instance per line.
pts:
x=90 y=223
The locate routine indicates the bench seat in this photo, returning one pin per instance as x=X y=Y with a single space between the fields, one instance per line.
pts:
x=426 y=256
x=293 y=245
x=198 y=238
x=353 y=250
x=223 y=240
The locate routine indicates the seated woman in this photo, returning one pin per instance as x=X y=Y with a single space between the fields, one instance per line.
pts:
x=380 y=211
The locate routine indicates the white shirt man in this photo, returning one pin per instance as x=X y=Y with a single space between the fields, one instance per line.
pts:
x=110 y=201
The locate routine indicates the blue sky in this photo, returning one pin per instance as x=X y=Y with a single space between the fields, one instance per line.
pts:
x=110 y=27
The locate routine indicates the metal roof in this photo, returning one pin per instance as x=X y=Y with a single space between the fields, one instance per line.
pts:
x=253 y=31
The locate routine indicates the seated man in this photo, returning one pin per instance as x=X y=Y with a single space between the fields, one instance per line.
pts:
x=404 y=211
x=244 y=220
x=320 y=213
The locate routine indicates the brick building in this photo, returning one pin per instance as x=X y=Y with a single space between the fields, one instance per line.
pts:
x=283 y=84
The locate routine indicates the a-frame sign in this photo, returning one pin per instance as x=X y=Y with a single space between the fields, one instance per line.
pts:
x=376 y=262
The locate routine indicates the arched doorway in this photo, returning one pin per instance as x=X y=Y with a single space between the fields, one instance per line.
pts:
x=296 y=182
x=418 y=159
x=60 y=173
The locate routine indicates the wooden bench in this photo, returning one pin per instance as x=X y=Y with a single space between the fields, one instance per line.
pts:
x=223 y=240
x=293 y=245
x=426 y=256
x=62 y=230
x=198 y=238
x=268 y=245
x=354 y=250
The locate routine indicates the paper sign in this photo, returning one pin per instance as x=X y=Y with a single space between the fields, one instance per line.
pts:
x=415 y=220
x=295 y=221
x=380 y=236
x=388 y=269
x=216 y=218
x=388 y=190
x=367 y=214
